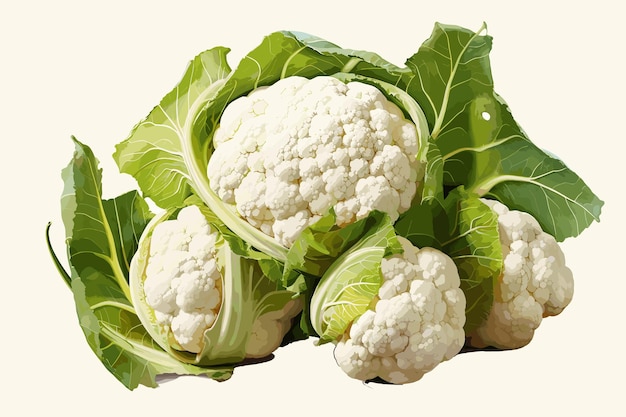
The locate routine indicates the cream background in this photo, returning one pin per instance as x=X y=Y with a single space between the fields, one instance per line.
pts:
x=71 y=67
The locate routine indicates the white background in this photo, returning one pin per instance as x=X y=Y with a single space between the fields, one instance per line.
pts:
x=72 y=67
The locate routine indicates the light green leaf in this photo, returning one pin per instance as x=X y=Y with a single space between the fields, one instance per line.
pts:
x=358 y=283
x=154 y=153
x=351 y=283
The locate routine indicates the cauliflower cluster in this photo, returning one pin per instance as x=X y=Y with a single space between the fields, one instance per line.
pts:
x=535 y=282
x=417 y=322
x=183 y=280
x=287 y=153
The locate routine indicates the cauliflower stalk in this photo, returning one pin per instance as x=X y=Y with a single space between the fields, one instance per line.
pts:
x=393 y=310
x=287 y=153
x=199 y=300
x=534 y=283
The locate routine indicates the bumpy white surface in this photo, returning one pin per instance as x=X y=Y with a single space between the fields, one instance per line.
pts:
x=287 y=153
x=417 y=323
x=535 y=282
x=183 y=282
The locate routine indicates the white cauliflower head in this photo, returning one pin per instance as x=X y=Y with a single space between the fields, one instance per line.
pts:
x=535 y=282
x=416 y=324
x=287 y=153
x=183 y=280
x=185 y=287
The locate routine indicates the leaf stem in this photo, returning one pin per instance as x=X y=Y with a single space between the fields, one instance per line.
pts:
x=200 y=184
x=116 y=304
x=446 y=95
x=57 y=263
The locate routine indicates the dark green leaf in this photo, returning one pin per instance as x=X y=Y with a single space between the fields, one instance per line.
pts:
x=466 y=230
x=482 y=146
x=450 y=68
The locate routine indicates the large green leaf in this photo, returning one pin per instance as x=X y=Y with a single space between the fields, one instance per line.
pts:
x=102 y=234
x=450 y=68
x=503 y=163
x=154 y=153
x=482 y=146
x=365 y=63
x=466 y=230
x=102 y=237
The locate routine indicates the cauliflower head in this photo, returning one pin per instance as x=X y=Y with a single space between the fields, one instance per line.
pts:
x=535 y=282
x=285 y=154
x=184 y=285
x=416 y=324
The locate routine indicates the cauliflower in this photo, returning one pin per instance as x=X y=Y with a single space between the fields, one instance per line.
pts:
x=188 y=283
x=287 y=153
x=415 y=322
x=535 y=282
x=183 y=282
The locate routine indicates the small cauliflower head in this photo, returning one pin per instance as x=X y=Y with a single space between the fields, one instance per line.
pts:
x=416 y=324
x=186 y=283
x=535 y=282
x=183 y=282
x=287 y=153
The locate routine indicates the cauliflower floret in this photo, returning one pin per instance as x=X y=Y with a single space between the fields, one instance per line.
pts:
x=287 y=153
x=535 y=282
x=183 y=283
x=416 y=324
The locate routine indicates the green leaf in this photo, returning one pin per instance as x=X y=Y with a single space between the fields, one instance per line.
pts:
x=351 y=283
x=466 y=230
x=315 y=250
x=474 y=246
x=102 y=237
x=450 y=67
x=125 y=348
x=506 y=165
x=102 y=234
x=482 y=146
x=154 y=153
x=359 y=282
x=320 y=244
x=368 y=64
